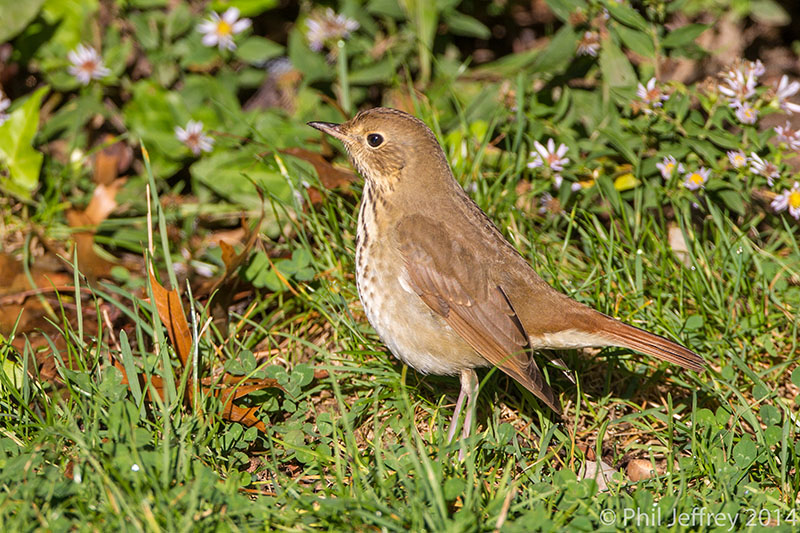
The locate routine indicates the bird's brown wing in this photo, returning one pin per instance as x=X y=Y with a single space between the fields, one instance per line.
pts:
x=453 y=282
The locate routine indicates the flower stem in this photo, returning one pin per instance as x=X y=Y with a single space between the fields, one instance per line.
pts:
x=344 y=83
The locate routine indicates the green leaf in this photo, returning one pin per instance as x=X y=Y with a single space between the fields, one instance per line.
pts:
x=773 y=435
x=744 y=453
x=453 y=488
x=461 y=24
x=71 y=18
x=732 y=200
x=623 y=145
x=231 y=174
x=564 y=8
x=636 y=40
x=146 y=28
x=705 y=418
x=147 y=4
x=386 y=8
x=627 y=15
x=17 y=153
x=374 y=73
x=678 y=105
x=179 y=21
x=796 y=376
x=705 y=149
x=74 y=114
x=559 y=53
x=724 y=139
x=694 y=322
x=111 y=386
x=16 y=16
x=304 y=373
x=769 y=12
x=683 y=36
x=770 y=415
x=616 y=68
x=311 y=64
x=257 y=50
x=247 y=8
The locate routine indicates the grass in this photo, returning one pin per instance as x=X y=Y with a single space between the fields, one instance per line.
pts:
x=356 y=441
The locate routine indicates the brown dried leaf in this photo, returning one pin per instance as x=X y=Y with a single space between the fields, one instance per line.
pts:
x=228 y=255
x=244 y=416
x=168 y=304
x=600 y=471
x=111 y=161
x=639 y=469
x=103 y=202
x=330 y=176
x=101 y=205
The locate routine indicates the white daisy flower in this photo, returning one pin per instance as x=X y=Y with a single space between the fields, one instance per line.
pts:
x=219 y=31
x=545 y=202
x=194 y=137
x=737 y=158
x=756 y=68
x=86 y=64
x=746 y=113
x=589 y=44
x=5 y=103
x=279 y=66
x=668 y=166
x=789 y=136
x=650 y=94
x=697 y=179
x=739 y=85
x=550 y=156
x=788 y=199
x=768 y=169
x=327 y=26
x=786 y=90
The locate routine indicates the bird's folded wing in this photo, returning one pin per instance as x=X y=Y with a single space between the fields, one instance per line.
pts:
x=454 y=283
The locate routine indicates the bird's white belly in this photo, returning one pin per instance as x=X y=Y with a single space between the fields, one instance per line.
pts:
x=412 y=331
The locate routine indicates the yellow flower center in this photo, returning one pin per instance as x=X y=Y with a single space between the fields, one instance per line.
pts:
x=738 y=160
x=696 y=178
x=794 y=199
x=669 y=167
x=223 y=28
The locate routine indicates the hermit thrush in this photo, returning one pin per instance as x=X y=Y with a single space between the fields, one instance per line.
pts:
x=442 y=286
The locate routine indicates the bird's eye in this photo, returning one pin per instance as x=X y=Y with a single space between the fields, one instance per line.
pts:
x=374 y=140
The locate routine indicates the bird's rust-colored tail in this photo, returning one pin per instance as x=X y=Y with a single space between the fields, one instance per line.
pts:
x=626 y=336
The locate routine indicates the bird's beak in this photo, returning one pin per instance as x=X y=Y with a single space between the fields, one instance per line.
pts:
x=334 y=130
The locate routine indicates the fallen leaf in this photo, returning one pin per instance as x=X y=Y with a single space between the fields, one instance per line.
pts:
x=111 y=160
x=101 y=205
x=639 y=469
x=330 y=176
x=170 y=311
x=600 y=471
x=678 y=244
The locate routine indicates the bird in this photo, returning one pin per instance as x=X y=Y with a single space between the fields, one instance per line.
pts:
x=441 y=285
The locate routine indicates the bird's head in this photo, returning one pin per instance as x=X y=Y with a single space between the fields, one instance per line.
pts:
x=387 y=145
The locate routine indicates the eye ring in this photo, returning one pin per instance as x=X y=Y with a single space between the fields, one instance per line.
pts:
x=375 y=139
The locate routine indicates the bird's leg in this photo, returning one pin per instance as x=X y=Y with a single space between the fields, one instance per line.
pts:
x=469 y=390
x=469 y=381
x=456 y=412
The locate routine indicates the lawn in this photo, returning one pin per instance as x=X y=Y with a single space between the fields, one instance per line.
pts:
x=182 y=343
